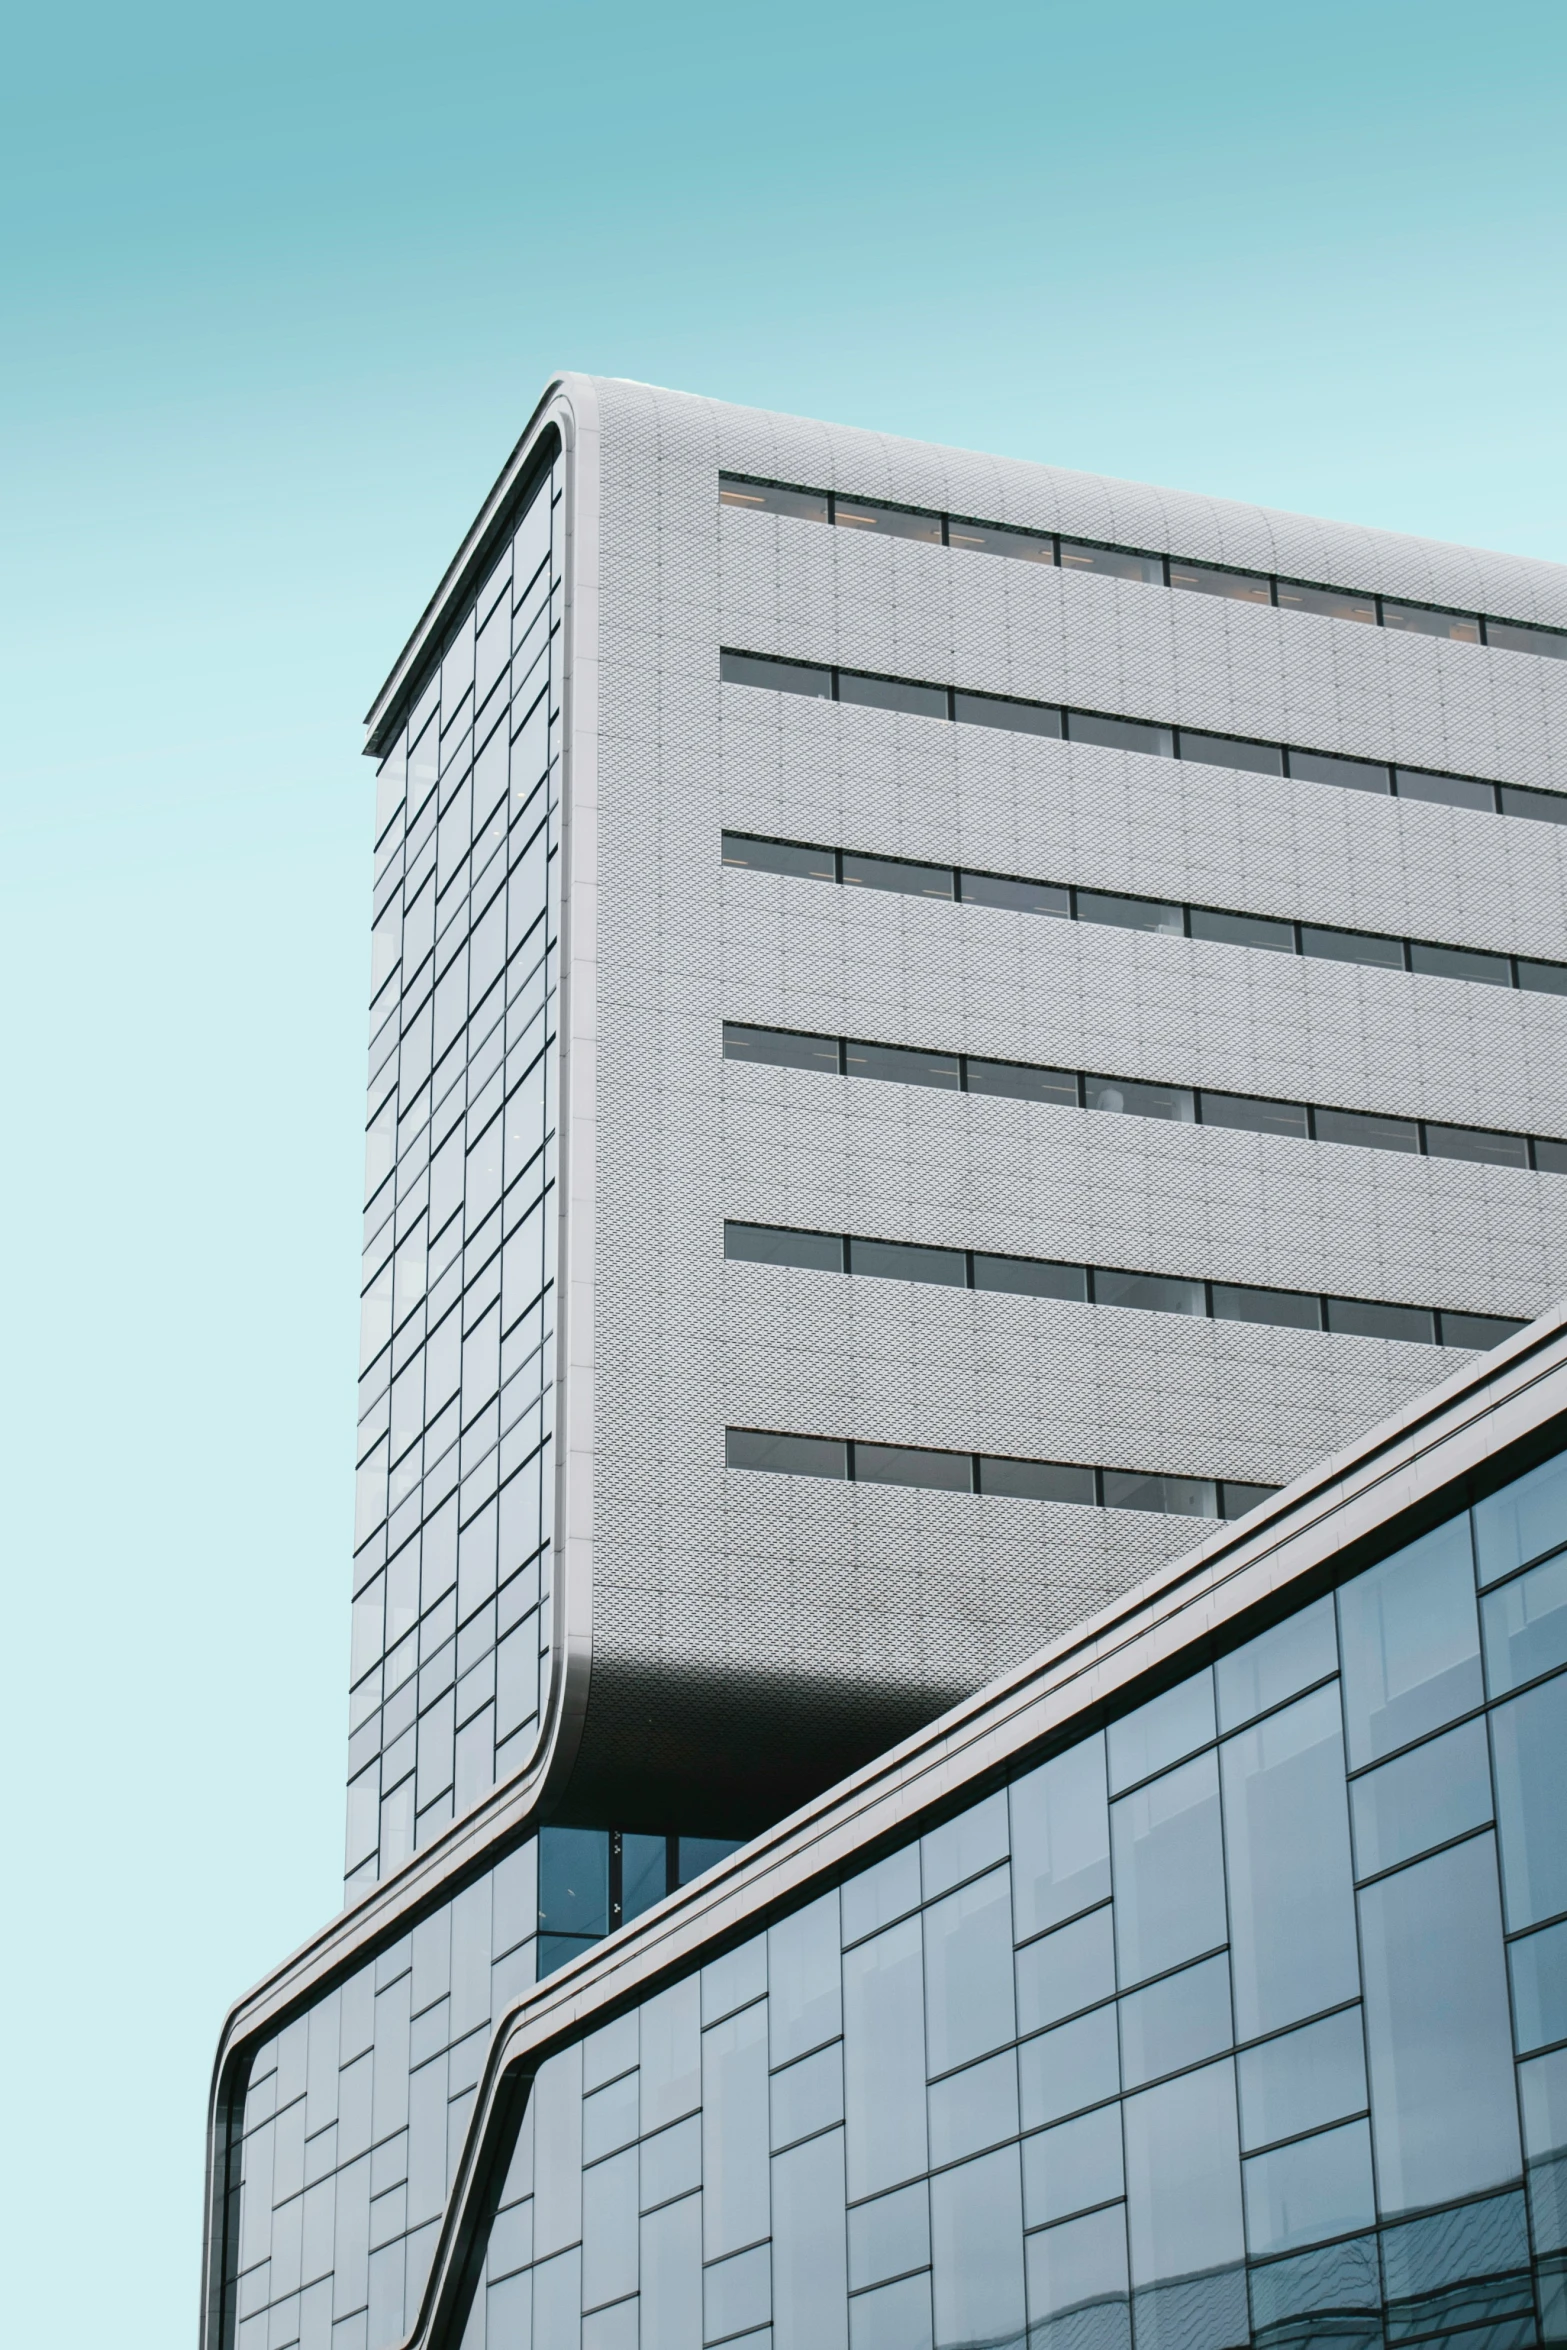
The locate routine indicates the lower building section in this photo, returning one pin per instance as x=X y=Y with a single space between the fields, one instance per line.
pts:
x=1221 y=2004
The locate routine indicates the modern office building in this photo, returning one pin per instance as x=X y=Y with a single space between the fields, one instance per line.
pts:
x=938 y=1024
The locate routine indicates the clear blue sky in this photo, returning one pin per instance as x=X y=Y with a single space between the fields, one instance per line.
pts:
x=280 y=287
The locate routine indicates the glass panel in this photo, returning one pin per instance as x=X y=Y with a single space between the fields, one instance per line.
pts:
x=1243 y=930
x=889 y=2237
x=1544 y=978
x=803 y=1979
x=810 y=2268
x=1072 y=2167
x=1352 y=946
x=609 y=2229
x=1223 y=750
x=1272 y=1667
x=766 y=1244
x=1019 y=897
x=573 y=1881
x=992 y=538
x=887 y=1890
x=1037 y=1480
x=1518 y=636
x=974 y=2109
x=1072 y=1968
x=1543 y=2088
x=1359 y=1317
x=1529 y=1738
x=1163 y=1731
x=1176 y=2022
x=644 y=1871
x=1060 y=1837
x=1022 y=1083
x=736 y=2294
x=909 y=1464
x=767 y=497
x=671 y=2054
x=1031 y=1277
x=898 y=2317
x=807 y=2096
x=1121 y=734
x=1142 y=1101
x=1453 y=2266
x=1442 y=2099
x=1424 y=1798
x=1523 y=1521
x=1169 y=1870
x=964 y=1847
x=1332 y=2296
x=1550 y=1158
x=1421 y=620
x=672 y=2272
x=1541 y=807
x=1077 y=2064
x=671 y=2162
x=1331 y=603
x=884 y=2059
x=1410 y=1643
x=734 y=2132
x=1472 y=1142
x=779 y=856
x=1367 y=1131
x=1317 y=2187
x=1251 y=1115
x=896 y=874
x=1302 y=2079
x=1183 y=2195
x=893 y=693
x=968 y=1972
x=787 y=1456
x=1445 y=791
x=976 y=2229
x=1158 y=1293
x=785 y=677
x=1460 y=963
x=1176 y=1497
x=1112 y=562
x=1349 y=774
x=999 y=710
x=1480 y=1331
x=1292 y=1915
x=1242 y=587
x=695 y=1855
x=902 y=1065
x=1539 y=1973
x=1524 y=1626
x=780 y=1048
x=898 y=1260
x=1077 y=2296
x=897 y=522
x=1122 y=913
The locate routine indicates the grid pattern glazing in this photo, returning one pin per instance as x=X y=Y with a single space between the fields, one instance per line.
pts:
x=1241 y=2021
x=452 y=1598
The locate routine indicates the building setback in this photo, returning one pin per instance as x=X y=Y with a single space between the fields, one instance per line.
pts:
x=942 y=1029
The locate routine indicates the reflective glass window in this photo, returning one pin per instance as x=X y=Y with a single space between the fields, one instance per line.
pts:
x=1176 y=2022
x=896 y=522
x=1022 y=1083
x=1460 y=963
x=788 y=1456
x=1159 y=1293
x=889 y=2237
x=1066 y=1970
x=1349 y=774
x=1250 y=1114
x=1030 y=1277
x=1121 y=734
x=1302 y=2079
x=1277 y=1663
x=734 y=2132
x=809 y=2254
x=1360 y=1317
x=912 y=1464
x=893 y=693
x=1112 y=562
x=1175 y=1497
x=1315 y=2188
x=785 y=677
x=765 y=1244
x=1018 y=897
x=1445 y=791
x=884 y=2059
x=898 y=1260
x=807 y=2096
x=1224 y=750
x=1183 y=2198
x=1122 y=913
x=1174 y=1102
x=966 y=1846
x=1524 y=1625
x=1169 y=1870
x=1060 y=1837
x=1330 y=603
x=1479 y=1331
x=779 y=856
x=968 y=1972
x=1292 y=1918
x=1543 y=2090
x=1366 y=1130
x=1036 y=1480
x=1013 y=717
x=1243 y=930
x=894 y=2317
x=896 y=874
x=1443 y=2106
x=1524 y=1520
x=1529 y=1740
x=1420 y=620
x=767 y=497
x=974 y=2109
x=780 y=1048
x=1076 y=2065
x=1410 y=1643
x=976 y=2232
x=1163 y=1731
x=1539 y=1974
x=902 y=1065
x=1072 y=2167
x=994 y=538
x=1240 y=587
x=1077 y=2284
x=1351 y=946
x=1331 y=2295
x=1421 y=1799
x=1543 y=978
x=805 y=2004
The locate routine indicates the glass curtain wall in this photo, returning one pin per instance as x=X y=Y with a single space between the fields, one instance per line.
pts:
x=451 y=1616
x=1242 y=2021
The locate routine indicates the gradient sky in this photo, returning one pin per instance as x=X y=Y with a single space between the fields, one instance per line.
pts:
x=280 y=287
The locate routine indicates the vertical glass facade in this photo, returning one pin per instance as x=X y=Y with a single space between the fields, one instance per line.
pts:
x=1239 y=2021
x=451 y=1615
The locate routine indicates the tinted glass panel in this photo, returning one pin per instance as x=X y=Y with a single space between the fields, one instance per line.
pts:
x=897 y=522
x=1176 y=1102
x=1162 y=1293
x=1252 y=1115
x=1472 y=1142
x=1445 y=791
x=968 y=1972
x=1350 y=774
x=1530 y=1741
x=1289 y=1656
x=1036 y=1480
x=1477 y=1330
x=1284 y=1308
x=1129 y=913
x=1543 y=978
x=902 y=1065
x=1331 y=603
x=792 y=1456
x=1424 y=1798
x=1060 y=1837
x=1076 y=2065
x=763 y=497
x=1241 y=587
x=1077 y=2297
x=1121 y=734
x=1164 y=1731
x=1545 y=807
x=1176 y=2022
x=1351 y=946
x=1013 y=717
x=1072 y=2167
x=907 y=1464
x=890 y=2236
x=989 y=538
x=1112 y=562
x=1366 y=1131
x=893 y=693
x=1292 y=1917
x=779 y=856
x=1366 y=1318
x=1410 y=1643
x=1243 y=930
x=764 y=1244
x=1302 y=2079
x=1539 y=1972
x=892 y=873
x=780 y=1048
x=1525 y=1627
x=1460 y=963
x=895 y=1260
x=1064 y=1972
x=1318 y=2187
x=1177 y=1497
x=884 y=2060
x=1518 y=637
x=1223 y=750
x=1031 y=1277
x=1169 y=1870
x=976 y=2230
x=1019 y=897
x=1184 y=2199
x=1525 y=1520
x=1022 y=1083
x=785 y=677
x=1420 y=620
